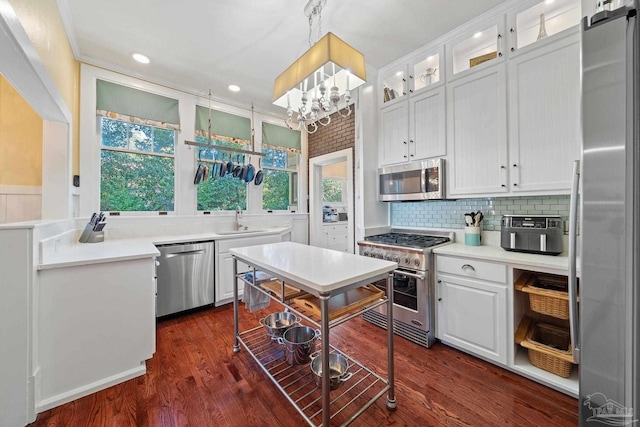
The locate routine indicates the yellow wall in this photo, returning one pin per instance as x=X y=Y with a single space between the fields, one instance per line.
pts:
x=20 y=139
x=42 y=23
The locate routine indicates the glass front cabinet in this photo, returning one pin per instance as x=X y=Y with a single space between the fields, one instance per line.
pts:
x=477 y=48
x=537 y=20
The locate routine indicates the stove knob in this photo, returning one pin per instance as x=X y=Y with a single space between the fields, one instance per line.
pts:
x=377 y=254
x=395 y=258
x=366 y=253
x=416 y=262
x=387 y=257
x=406 y=260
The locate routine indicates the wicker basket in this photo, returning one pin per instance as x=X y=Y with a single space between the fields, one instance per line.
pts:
x=545 y=298
x=549 y=348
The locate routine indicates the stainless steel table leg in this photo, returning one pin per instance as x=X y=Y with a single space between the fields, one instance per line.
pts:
x=324 y=327
x=391 y=397
x=236 y=342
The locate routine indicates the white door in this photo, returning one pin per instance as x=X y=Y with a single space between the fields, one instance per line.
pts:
x=544 y=116
x=477 y=133
x=394 y=147
x=427 y=128
x=472 y=315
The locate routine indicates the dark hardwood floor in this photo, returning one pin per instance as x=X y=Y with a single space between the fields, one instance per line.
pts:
x=194 y=379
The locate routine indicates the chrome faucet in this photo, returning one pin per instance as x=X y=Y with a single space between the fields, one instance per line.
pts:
x=236 y=224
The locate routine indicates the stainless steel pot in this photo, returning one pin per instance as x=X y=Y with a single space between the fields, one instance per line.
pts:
x=299 y=342
x=278 y=323
x=338 y=369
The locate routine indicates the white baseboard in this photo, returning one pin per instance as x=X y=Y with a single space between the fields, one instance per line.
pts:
x=20 y=189
x=86 y=390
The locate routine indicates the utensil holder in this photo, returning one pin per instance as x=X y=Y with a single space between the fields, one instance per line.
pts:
x=95 y=237
x=472 y=236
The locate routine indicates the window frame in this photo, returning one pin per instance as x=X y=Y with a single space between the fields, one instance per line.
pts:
x=292 y=172
x=102 y=147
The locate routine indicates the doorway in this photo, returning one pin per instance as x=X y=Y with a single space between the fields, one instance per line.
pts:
x=331 y=200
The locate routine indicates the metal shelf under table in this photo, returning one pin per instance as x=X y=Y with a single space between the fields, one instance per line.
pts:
x=319 y=406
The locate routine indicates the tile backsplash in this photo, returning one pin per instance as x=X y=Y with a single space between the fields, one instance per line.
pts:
x=450 y=213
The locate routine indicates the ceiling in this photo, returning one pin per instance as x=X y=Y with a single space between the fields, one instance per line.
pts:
x=197 y=45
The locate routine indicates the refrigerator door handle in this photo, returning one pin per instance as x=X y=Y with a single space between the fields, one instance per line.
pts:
x=573 y=279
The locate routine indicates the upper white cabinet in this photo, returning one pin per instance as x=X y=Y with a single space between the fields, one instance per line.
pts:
x=478 y=48
x=412 y=119
x=477 y=132
x=427 y=128
x=394 y=143
x=544 y=116
x=535 y=21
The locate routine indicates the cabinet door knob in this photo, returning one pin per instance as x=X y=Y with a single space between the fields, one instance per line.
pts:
x=405 y=156
x=502 y=167
x=404 y=142
x=439 y=299
x=500 y=54
x=503 y=186
x=439 y=281
x=515 y=165
x=410 y=90
x=513 y=49
x=512 y=30
x=515 y=185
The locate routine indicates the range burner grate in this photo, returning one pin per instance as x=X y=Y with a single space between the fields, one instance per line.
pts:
x=408 y=240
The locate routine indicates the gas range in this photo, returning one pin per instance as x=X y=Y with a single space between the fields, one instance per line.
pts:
x=413 y=287
x=409 y=248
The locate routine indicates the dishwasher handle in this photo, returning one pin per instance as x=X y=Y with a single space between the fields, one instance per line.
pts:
x=194 y=252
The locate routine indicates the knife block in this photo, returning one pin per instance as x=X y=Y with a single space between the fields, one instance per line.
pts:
x=95 y=237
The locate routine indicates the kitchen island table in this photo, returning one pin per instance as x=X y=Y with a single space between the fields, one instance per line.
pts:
x=322 y=273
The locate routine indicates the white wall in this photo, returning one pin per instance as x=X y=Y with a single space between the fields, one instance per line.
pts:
x=369 y=213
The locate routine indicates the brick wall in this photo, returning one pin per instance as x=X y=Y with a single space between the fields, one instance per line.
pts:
x=338 y=135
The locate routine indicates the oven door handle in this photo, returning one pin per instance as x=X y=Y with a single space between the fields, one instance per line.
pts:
x=406 y=273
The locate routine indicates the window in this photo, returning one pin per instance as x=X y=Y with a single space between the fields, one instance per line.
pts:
x=220 y=193
x=136 y=167
x=137 y=148
x=332 y=190
x=280 y=185
x=221 y=130
x=281 y=155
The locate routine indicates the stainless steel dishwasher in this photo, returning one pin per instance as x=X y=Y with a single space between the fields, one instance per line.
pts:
x=185 y=277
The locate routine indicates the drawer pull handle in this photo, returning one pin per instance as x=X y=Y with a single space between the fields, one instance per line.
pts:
x=464 y=267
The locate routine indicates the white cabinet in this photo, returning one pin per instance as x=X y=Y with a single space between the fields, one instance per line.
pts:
x=471 y=298
x=544 y=116
x=95 y=327
x=224 y=264
x=414 y=129
x=394 y=147
x=336 y=237
x=427 y=128
x=479 y=47
x=477 y=133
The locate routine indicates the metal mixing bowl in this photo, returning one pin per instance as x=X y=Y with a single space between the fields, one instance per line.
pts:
x=338 y=369
x=277 y=323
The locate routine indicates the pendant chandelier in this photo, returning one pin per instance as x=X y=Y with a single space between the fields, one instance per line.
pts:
x=304 y=86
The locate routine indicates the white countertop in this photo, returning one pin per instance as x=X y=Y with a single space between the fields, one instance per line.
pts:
x=493 y=253
x=127 y=249
x=313 y=268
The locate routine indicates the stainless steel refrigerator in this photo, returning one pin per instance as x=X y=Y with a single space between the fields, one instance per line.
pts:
x=606 y=329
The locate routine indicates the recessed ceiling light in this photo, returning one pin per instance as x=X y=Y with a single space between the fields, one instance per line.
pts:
x=478 y=34
x=430 y=58
x=399 y=73
x=234 y=88
x=549 y=1
x=143 y=59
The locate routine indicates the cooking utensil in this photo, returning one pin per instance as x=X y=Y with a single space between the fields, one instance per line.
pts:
x=299 y=342
x=205 y=175
x=478 y=218
x=468 y=219
x=250 y=172
x=223 y=167
x=200 y=170
x=259 y=175
x=338 y=369
x=237 y=170
x=230 y=165
x=278 y=323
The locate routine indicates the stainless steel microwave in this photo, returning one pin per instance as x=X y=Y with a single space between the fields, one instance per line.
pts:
x=423 y=180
